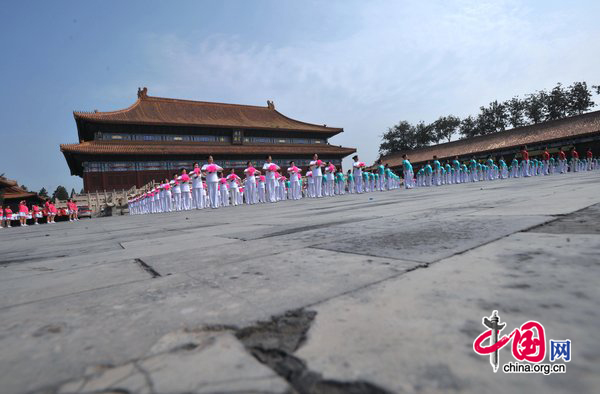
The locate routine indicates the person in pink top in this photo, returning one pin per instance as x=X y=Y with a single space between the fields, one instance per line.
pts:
x=52 y=211
x=75 y=210
x=36 y=213
x=2 y=217
x=7 y=216
x=71 y=210
x=23 y=212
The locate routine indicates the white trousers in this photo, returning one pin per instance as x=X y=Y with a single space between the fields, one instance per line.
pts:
x=358 y=183
x=295 y=186
x=271 y=186
x=197 y=198
x=186 y=201
x=250 y=191
x=177 y=201
x=213 y=194
x=318 y=186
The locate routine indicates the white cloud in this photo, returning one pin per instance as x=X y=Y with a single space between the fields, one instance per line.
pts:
x=403 y=61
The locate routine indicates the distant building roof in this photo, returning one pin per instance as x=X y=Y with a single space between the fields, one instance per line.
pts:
x=555 y=130
x=10 y=190
x=176 y=112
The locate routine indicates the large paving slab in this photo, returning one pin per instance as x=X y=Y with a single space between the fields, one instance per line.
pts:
x=415 y=332
x=85 y=302
x=185 y=362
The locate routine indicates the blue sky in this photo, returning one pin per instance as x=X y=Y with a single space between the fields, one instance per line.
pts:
x=361 y=65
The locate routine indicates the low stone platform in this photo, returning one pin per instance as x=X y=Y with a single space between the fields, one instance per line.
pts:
x=372 y=293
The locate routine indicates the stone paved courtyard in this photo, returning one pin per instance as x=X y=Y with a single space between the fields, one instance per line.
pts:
x=372 y=293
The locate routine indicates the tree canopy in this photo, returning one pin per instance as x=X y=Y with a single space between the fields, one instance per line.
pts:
x=537 y=107
x=60 y=193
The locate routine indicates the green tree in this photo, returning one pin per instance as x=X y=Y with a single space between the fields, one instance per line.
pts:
x=556 y=103
x=24 y=187
x=597 y=88
x=579 y=98
x=445 y=127
x=469 y=127
x=43 y=192
x=400 y=137
x=515 y=109
x=60 y=193
x=81 y=191
x=72 y=192
x=535 y=107
x=424 y=134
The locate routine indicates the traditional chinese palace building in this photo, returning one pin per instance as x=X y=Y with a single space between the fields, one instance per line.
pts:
x=156 y=137
x=579 y=131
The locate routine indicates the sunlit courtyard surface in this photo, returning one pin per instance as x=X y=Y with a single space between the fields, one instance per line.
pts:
x=376 y=292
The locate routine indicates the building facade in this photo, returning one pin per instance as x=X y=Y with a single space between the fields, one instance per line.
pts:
x=156 y=137
x=580 y=131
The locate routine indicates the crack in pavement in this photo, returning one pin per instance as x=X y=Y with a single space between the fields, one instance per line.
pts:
x=273 y=344
x=148 y=268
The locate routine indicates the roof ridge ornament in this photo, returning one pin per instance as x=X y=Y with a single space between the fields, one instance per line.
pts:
x=270 y=104
x=142 y=93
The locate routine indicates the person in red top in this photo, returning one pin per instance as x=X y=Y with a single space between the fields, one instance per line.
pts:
x=562 y=161
x=36 y=213
x=23 y=212
x=525 y=161
x=546 y=158
x=590 y=157
x=574 y=160
x=2 y=217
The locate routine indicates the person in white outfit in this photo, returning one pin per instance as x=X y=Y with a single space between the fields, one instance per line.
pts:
x=329 y=179
x=212 y=181
x=223 y=191
x=176 y=192
x=167 y=201
x=357 y=167
x=233 y=180
x=270 y=169
x=197 y=188
x=250 y=184
x=310 y=185
x=262 y=180
x=294 y=173
x=317 y=175
x=186 y=196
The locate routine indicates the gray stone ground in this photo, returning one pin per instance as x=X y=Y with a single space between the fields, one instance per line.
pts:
x=381 y=292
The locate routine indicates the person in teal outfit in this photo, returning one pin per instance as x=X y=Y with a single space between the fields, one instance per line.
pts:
x=407 y=168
